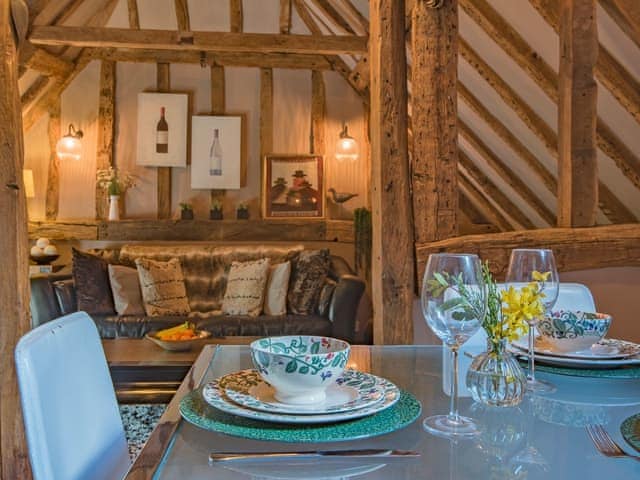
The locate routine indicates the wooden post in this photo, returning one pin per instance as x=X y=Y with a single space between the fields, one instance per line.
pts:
x=434 y=111
x=164 y=173
x=134 y=17
x=106 y=124
x=266 y=112
x=393 y=265
x=14 y=281
x=52 y=198
x=236 y=15
x=218 y=106
x=317 y=112
x=577 y=115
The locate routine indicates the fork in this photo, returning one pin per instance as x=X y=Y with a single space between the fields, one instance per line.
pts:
x=605 y=444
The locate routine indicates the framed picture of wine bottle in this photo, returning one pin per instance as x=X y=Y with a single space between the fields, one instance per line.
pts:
x=217 y=152
x=162 y=129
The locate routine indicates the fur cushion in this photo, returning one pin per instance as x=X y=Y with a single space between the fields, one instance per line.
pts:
x=245 y=288
x=91 y=279
x=275 y=300
x=162 y=285
x=307 y=279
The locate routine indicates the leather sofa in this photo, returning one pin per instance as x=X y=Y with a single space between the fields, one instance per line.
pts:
x=205 y=268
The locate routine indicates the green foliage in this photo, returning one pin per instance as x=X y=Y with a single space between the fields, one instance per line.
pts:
x=186 y=206
x=362 y=231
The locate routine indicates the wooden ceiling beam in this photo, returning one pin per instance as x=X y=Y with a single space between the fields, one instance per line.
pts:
x=34 y=90
x=43 y=61
x=482 y=203
x=236 y=15
x=134 y=15
x=182 y=15
x=360 y=19
x=626 y=13
x=329 y=11
x=285 y=17
x=198 y=41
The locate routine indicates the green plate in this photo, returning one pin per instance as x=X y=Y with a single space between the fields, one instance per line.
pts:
x=196 y=411
x=630 y=430
x=628 y=373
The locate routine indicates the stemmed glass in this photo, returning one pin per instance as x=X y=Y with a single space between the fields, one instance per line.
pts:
x=522 y=265
x=454 y=303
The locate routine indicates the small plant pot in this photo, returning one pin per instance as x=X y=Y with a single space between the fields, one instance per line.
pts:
x=186 y=214
x=242 y=214
x=215 y=214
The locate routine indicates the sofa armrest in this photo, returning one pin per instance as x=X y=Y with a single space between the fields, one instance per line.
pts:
x=344 y=307
x=44 y=302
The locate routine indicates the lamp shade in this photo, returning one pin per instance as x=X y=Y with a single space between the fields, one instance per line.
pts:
x=27 y=178
x=69 y=147
x=347 y=147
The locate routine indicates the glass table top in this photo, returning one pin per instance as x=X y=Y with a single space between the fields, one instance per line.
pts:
x=542 y=438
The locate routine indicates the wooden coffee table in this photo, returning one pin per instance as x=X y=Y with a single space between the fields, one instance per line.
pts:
x=142 y=372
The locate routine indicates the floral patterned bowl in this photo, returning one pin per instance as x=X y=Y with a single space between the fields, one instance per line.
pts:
x=573 y=331
x=299 y=367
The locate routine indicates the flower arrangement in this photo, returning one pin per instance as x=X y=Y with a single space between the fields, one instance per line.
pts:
x=114 y=181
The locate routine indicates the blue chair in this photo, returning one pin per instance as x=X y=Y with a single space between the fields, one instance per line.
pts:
x=72 y=422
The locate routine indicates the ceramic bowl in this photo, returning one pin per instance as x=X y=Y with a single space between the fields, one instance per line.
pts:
x=573 y=331
x=178 y=345
x=298 y=367
x=44 y=259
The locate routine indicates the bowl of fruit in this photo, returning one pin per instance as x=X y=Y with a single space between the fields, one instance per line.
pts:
x=179 y=338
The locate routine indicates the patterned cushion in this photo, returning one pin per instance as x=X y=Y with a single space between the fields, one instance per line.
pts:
x=245 y=288
x=125 y=286
x=163 y=289
x=91 y=279
x=275 y=300
x=307 y=279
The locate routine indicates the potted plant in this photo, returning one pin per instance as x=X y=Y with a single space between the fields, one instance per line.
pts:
x=216 y=210
x=115 y=184
x=242 y=213
x=186 y=211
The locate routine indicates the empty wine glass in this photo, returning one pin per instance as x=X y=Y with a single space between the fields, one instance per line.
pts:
x=522 y=265
x=454 y=303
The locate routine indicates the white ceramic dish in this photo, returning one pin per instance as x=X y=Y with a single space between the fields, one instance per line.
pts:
x=214 y=396
x=605 y=349
x=353 y=390
x=589 y=363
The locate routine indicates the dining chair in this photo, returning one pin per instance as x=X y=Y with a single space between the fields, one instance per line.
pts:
x=72 y=422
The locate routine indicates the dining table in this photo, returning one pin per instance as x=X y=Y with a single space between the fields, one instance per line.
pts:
x=543 y=437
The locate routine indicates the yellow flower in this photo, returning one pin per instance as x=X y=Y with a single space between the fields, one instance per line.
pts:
x=540 y=277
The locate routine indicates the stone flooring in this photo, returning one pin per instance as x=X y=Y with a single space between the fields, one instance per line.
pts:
x=138 y=421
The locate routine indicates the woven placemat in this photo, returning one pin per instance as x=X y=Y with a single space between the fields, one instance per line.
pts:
x=196 y=411
x=622 y=372
x=630 y=430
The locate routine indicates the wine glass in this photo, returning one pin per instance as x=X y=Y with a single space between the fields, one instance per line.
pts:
x=522 y=264
x=454 y=303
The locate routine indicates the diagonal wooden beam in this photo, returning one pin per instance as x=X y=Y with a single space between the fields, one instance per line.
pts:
x=134 y=15
x=492 y=191
x=626 y=13
x=332 y=14
x=363 y=23
x=199 y=41
x=43 y=61
x=182 y=15
x=34 y=90
x=482 y=203
x=508 y=175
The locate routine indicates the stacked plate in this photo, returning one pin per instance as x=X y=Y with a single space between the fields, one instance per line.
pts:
x=607 y=353
x=354 y=395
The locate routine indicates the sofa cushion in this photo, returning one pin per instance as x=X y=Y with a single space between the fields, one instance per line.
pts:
x=66 y=295
x=275 y=297
x=205 y=267
x=309 y=272
x=326 y=294
x=162 y=286
x=246 y=283
x=125 y=286
x=91 y=279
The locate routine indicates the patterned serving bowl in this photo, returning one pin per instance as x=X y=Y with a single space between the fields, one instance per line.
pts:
x=573 y=331
x=299 y=367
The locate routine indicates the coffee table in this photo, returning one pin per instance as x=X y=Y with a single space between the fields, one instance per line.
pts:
x=142 y=372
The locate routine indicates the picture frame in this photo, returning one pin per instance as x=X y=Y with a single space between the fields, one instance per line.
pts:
x=293 y=186
x=218 y=151
x=162 y=129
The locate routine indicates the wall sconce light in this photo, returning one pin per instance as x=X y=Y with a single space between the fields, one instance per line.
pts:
x=347 y=147
x=27 y=179
x=69 y=147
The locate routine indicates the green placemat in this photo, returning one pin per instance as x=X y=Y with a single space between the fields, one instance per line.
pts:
x=630 y=430
x=623 y=372
x=196 y=411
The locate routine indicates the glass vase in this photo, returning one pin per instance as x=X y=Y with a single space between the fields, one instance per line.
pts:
x=495 y=377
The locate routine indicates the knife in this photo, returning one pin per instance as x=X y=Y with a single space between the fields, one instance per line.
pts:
x=240 y=456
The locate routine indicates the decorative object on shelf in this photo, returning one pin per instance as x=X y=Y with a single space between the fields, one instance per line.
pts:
x=242 y=212
x=43 y=252
x=69 y=147
x=27 y=179
x=217 y=152
x=216 y=210
x=347 y=147
x=186 y=211
x=495 y=377
x=115 y=183
x=162 y=129
x=293 y=186
x=362 y=240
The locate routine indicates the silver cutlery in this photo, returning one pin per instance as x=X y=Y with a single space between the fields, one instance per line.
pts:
x=314 y=454
x=605 y=444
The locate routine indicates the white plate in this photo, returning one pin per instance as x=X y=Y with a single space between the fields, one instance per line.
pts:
x=353 y=390
x=605 y=349
x=593 y=363
x=214 y=395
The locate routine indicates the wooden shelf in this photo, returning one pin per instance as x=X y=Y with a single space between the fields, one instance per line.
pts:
x=196 y=230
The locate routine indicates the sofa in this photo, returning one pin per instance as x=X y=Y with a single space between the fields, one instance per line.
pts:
x=337 y=311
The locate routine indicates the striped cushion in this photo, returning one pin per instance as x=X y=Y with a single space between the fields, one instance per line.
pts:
x=162 y=285
x=245 y=288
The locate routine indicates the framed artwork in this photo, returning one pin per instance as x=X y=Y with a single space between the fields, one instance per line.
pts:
x=217 y=152
x=293 y=186
x=162 y=129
